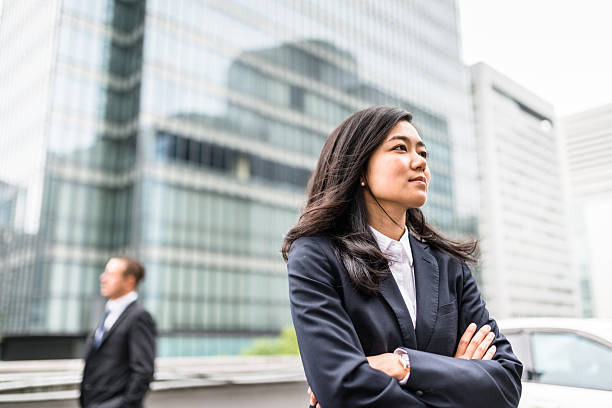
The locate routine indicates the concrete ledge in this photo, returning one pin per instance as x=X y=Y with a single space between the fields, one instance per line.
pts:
x=27 y=382
x=40 y=396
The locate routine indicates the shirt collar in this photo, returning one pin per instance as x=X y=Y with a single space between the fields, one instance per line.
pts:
x=393 y=248
x=119 y=304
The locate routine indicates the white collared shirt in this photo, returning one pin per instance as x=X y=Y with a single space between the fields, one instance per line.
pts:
x=116 y=306
x=401 y=266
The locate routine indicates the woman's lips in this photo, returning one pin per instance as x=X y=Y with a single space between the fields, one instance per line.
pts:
x=421 y=180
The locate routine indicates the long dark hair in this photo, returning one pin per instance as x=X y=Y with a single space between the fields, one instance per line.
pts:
x=335 y=206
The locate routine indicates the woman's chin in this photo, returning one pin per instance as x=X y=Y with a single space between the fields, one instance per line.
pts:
x=417 y=202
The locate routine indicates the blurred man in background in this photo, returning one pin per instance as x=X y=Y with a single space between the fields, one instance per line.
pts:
x=119 y=362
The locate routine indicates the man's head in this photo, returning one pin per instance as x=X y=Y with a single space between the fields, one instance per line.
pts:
x=120 y=277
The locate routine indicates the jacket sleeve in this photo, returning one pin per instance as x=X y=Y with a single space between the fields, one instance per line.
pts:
x=334 y=362
x=142 y=359
x=446 y=381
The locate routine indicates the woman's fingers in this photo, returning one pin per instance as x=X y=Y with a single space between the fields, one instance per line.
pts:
x=490 y=353
x=476 y=340
x=313 y=399
x=475 y=346
x=465 y=340
x=483 y=346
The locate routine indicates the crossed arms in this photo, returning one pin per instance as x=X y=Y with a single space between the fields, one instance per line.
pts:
x=339 y=372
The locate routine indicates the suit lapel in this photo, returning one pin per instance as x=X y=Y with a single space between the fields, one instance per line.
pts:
x=89 y=346
x=120 y=319
x=392 y=295
x=427 y=281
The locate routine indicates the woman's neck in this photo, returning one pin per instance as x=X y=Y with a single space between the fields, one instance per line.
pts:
x=390 y=222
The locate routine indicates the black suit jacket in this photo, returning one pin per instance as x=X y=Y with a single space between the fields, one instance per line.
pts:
x=118 y=372
x=337 y=327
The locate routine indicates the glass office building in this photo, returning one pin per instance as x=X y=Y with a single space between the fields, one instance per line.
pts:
x=183 y=133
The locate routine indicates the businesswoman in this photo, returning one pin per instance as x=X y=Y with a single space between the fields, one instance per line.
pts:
x=387 y=313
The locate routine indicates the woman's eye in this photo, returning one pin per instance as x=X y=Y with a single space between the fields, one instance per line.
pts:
x=400 y=147
x=424 y=154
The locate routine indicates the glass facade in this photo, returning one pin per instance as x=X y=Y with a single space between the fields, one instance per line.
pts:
x=184 y=133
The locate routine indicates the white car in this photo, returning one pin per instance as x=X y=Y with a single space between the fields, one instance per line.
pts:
x=566 y=362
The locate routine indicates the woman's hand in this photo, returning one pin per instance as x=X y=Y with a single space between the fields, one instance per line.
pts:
x=312 y=399
x=388 y=363
x=476 y=347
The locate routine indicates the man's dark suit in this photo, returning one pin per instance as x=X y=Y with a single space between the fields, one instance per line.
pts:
x=118 y=372
x=337 y=327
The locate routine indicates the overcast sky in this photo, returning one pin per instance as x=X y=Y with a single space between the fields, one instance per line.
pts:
x=559 y=49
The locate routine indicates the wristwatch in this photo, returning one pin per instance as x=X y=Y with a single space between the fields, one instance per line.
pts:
x=405 y=362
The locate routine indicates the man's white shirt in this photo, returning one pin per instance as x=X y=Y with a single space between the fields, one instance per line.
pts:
x=117 y=306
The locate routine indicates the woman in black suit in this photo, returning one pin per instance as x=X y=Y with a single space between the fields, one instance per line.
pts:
x=386 y=310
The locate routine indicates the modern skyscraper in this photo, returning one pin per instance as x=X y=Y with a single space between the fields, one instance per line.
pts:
x=526 y=268
x=184 y=133
x=588 y=151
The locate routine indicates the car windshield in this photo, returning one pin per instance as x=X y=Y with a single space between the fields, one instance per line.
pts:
x=572 y=360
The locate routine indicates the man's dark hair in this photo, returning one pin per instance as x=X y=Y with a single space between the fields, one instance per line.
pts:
x=133 y=268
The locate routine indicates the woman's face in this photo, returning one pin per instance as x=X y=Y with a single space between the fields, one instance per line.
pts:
x=397 y=172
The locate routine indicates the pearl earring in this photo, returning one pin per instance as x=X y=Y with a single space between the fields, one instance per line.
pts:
x=362 y=184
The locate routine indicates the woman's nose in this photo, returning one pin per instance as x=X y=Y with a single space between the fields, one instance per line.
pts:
x=419 y=162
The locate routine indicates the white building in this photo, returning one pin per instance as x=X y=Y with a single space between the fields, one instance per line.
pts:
x=587 y=140
x=526 y=266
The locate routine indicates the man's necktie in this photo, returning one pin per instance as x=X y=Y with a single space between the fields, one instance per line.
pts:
x=100 y=330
